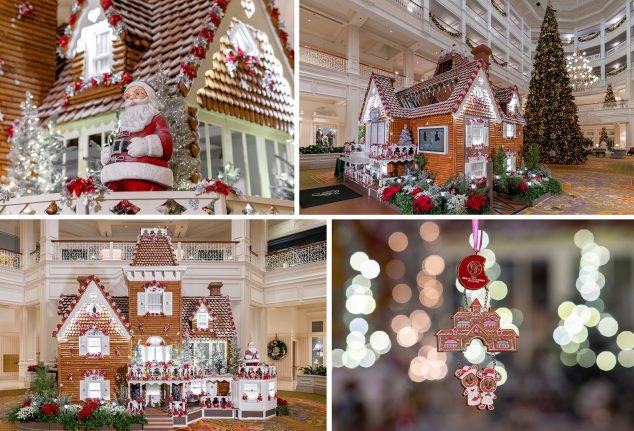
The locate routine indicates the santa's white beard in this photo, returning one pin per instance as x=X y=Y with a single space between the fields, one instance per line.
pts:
x=137 y=115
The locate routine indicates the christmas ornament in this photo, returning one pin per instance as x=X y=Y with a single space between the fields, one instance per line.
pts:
x=166 y=328
x=69 y=377
x=117 y=351
x=273 y=211
x=141 y=327
x=52 y=209
x=24 y=9
x=476 y=321
x=229 y=174
x=125 y=207
x=171 y=207
x=249 y=210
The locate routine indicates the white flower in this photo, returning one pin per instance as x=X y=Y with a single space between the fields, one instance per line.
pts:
x=26 y=412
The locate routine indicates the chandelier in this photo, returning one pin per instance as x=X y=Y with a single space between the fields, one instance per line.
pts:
x=580 y=72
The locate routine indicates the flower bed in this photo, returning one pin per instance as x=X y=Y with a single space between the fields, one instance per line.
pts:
x=525 y=186
x=457 y=196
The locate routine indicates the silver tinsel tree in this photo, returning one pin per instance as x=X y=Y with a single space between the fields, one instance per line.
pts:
x=36 y=155
x=172 y=106
x=235 y=357
x=284 y=187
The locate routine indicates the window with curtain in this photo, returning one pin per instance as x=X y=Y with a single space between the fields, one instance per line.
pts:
x=202 y=143
x=241 y=37
x=215 y=148
x=237 y=147
x=202 y=319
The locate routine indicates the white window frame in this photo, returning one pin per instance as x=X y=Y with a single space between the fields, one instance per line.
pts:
x=90 y=35
x=509 y=130
x=511 y=163
x=202 y=319
x=94 y=349
x=151 y=303
x=80 y=131
x=242 y=37
x=91 y=390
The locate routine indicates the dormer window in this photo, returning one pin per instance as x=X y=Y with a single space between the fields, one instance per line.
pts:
x=93 y=344
x=202 y=318
x=93 y=37
x=241 y=37
x=154 y=301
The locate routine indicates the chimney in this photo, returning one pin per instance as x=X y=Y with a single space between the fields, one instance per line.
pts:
x=482 y=52
x=214 y=288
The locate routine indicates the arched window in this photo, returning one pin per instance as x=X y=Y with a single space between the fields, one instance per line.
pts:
x=242 y=37
x=93 y=36
x=156 y=350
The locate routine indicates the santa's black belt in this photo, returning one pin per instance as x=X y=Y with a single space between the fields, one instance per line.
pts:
x=120 y=146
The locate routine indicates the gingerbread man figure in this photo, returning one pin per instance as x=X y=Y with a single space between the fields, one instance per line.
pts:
x=488 y=383
x=468 y=378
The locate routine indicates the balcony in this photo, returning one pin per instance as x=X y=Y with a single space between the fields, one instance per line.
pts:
x=412 y=7
x=596 y=113
x=10 y=259
x=302 y=255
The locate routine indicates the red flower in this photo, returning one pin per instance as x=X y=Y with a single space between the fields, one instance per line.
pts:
x=86 y=411
x=416 y=191
x=189 y=70
x=215 y=19
x=32 y=368
x=422 y=204
x=27 y=403
x=275 y=12
x=220 y=188
x=206 y=34
x=79 y=186
x=50 y=409
x=477 y=202
x=94 y=83
x=126 y=78
x=281 y=402
x=523 y=187
x=390 y=192
x=77 y=84
x=72 y=19
x=10 y=131
x=114 y=19
x=106 y=4
x=198 y=51
x=222 y=4
x=106 y=77
x=63 y=41
x=284 y=36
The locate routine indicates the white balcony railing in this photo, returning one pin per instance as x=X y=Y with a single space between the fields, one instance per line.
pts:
x=294 y=256
x=593 y=57
x=123 y=250
x=10 y=259
x=413 y=7
x=589 y=107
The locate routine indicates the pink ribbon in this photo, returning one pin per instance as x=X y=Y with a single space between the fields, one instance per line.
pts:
x=477 y=239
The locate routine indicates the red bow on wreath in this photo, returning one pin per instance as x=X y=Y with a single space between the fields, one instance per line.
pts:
x=79 y=186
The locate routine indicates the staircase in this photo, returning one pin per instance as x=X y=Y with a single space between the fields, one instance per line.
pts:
x=158 y=423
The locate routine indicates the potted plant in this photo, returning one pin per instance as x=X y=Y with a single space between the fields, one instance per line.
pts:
x=312 y=379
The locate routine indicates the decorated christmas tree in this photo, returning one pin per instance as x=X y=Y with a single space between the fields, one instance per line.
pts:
x=36 y=155
x=185 y=161
x=551 y=113
x=234 y=357
x=610 y=100
x=406 y=137
x=604 y=136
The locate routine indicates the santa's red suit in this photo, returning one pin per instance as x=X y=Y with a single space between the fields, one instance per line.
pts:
x=139 y=160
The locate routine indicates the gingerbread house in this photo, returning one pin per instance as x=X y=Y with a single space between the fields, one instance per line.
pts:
x=483 y=324
x=457 y=119
x=160 y=348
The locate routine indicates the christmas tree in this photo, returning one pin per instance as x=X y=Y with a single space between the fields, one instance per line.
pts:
x=604 y=136
x=36 y=155
x=551 y=112
x=185 y=161
x=234 y=357
x=284 y=187
x=610 y=100
x=406 y=137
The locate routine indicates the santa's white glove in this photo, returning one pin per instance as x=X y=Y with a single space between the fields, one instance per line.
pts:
x=106 y=152
x=149 y=146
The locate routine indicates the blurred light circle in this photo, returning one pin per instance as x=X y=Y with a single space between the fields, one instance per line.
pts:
x=429 y=231
x=380 y=342
x=518 y=316
x=568 y=359
x=370 y=269
x=475 y=352
x=399 y=322
x=348 y=361
x=357 y=354
x=422 y=279
x=608 y=326
x=570 y=348
x=395 y=269
x=498 y=290
x=500 y=369
x=494 y=272
x=414 y=377
x=485 y=239
x=506 y=315
x=397 y=241
x=561 y=336
x=434 y=265
x=360 y=304
x=426 y=350
x=361 y=281
x=565 y=308
x=583 y=237
x=595 y=317
x=625 y=340
x=368 y=359
x=435 y=355
x=606 y=361
x=573 y=324
x=337 y=360
x=358 y=324
x=357 y=260
x=604 y=255
x=626 y=358
x=489 y=255
x=407 y=336
x=586 y=358
x=420 y=320
x=401 y=293
x=581 y=336
x=355 y=340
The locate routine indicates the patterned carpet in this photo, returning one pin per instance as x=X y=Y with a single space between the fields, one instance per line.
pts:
x=601 y=186
x=308 y=413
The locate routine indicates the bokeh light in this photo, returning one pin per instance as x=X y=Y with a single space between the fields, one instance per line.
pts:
x=429 y=231
x=397 y=242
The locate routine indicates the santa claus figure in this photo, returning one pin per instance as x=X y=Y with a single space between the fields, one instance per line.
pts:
x=251 y=355
x=468 y=378
x=138 y=160
x=488 y=383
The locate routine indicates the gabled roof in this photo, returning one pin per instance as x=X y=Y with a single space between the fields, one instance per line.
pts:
x=223 y=323
x=70 y=305
x=503 y=96
x=154 y=248
x=163 y=32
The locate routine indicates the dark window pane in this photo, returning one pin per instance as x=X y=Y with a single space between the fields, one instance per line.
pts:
x=202 y=143
x=215 y=149
x=72 y=153
x=318 y=326
x=238 y=153
x=254 y=168
x=271 y=161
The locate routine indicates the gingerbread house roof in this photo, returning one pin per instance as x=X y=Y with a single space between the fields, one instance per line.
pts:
x=223 y=323
x=154 y=248
x=503 y=96
x=161 y=32
x=262 y=96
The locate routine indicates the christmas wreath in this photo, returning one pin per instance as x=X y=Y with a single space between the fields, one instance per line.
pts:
x=276 y=349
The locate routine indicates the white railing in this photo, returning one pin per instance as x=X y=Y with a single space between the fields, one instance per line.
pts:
x=35 y=256
x=413 y=7
x=322 y=59
x=124 y=250
x=10 y=259
x=593 y=57
x=614 y=48
x=294 y=256
x=621 y=104
x=365 y=71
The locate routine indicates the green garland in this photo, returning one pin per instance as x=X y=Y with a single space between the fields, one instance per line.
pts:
x=442 y=28
x=616 y=25
x=616 y=71
x=589 y=37
x=498 y=8
x=470 y=43
x=498 y=62
x=276 y=349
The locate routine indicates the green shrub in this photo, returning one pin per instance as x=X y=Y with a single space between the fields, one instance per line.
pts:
x=499 y=162
x=320 y=149
x=314 y=370
x=404 y=203
x=553 y=186
x=532 y=157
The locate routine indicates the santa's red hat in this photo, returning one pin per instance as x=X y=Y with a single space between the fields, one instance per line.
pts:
x=144 y=85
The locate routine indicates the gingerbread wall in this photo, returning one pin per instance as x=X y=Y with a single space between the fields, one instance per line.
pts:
x=156 y=325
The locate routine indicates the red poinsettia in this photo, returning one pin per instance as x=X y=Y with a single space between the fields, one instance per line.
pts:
x=215 y=19
x=10 y=131
x=32 y=368
x=476 y=202
x=189 y=70
x=63 y=41
x=198 y=51
x=222 y=4
x=72 y=19
x=390 y=192
x=114 y=19
x=26 y=403
x=523 y=187
x=220 y=188
x=49 y=409
x=126 y=78
x=105 y=78
x=206 y=34
x=422 y=204
x=78 y=84
x=275 y=12
x=284 y=36
x=86 y=411
x=416 y=191
x=106 y=4
x=281 y=402
x=79 y=186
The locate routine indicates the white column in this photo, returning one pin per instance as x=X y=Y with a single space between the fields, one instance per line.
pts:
x=47 y=313
x=27 y=241
x=241 y=232
x=27 y=355
x=629 y=95
x=603 y=59
x=409 y=67
x=352 y=100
